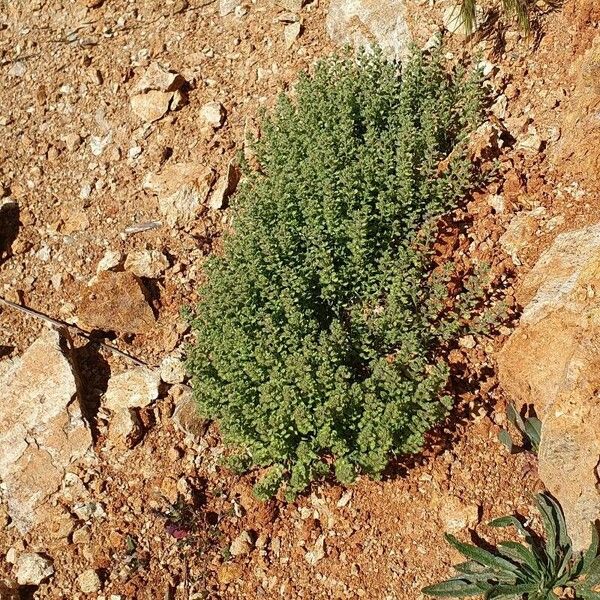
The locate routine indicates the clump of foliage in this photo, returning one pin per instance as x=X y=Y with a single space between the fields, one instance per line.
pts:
x=530 y=428
x=320 y=327
x=540 y=569
x=519 y=9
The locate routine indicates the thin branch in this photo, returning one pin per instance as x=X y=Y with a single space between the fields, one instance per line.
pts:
x=73 y=329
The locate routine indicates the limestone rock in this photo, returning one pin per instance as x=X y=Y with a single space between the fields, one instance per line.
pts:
x=213 y=113
x=152 y=105
x=186 y=417
x=241 y=545
x=552 y=360
x=519 y=233
x=225 y=187
x=146 y=263
x=42 y=431
x=154 y=93
x=33 y=568
x=182 y=189
x=366 y=23
x=135 y=388
x=111 y=260
x=160 y=79
x=291 y=32
x=89 y=582
x=456 y=516
x=226 y=7
x=116 y=302
x=172 y=370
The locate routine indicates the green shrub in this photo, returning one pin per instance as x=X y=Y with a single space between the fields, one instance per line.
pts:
x=319 y=329
x=543 y=569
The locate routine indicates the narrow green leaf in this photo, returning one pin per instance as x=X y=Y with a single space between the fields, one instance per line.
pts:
x=511 y=522
x=519 y=553
x=453 y=588
x=482 y=556
x=505 y=439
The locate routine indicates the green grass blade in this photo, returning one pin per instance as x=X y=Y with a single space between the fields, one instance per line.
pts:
x=483 y=557
x=453 y=588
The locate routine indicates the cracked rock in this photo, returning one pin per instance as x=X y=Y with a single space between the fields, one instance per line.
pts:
x=33 y=568
x=42 y=431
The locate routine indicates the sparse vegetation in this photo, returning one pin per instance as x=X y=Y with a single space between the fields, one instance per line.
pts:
x=541 y=569
x=529 y=427
x=518 y=9
x=320 y=328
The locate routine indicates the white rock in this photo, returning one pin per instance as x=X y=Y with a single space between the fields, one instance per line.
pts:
x=291 y=33
x=226 y=7
x=33 y=568
x=318 y=551
x=42 y=431
x=98 y=144
x=172 y=370
x=111 y=260
x=152 y=105
x=135 y=388
x=158 y=78
x=359 y=23
x=213 y=113
x=147 y=263
x=456 y=516
x=241 y=545
x=225 y=187
x=89 y=582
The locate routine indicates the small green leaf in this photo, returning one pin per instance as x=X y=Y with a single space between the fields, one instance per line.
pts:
x=482 y=556
x=453 y=588
x=505 y=439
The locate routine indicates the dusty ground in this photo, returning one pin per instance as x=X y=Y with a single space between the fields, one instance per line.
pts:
x=170 y=512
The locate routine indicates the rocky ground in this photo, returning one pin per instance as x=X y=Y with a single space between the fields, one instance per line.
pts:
x=116 y=117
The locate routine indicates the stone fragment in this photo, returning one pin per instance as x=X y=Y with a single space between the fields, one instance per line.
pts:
x=291 y=33
x=225 y=187
x=112 y=259
x=152 y=105
x=228 y=573
x=226 y=7
x=552 y=361
x=370 y=23
x=42 y=431
x=182 y=190
x=519 y=233
x=241 y=545
x=317 y=552
x=186 y=417
x=172 y=370
x=456 y=516
x=89 y=582
x=531 y=141
x=73 y=218
x=158 y=78
x=213 y=113
x=33 y=569
x=116 y=302
x=147 y=263
x=135 y=388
